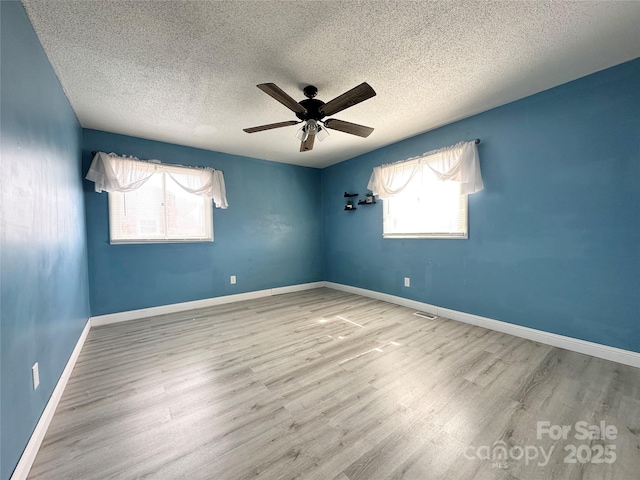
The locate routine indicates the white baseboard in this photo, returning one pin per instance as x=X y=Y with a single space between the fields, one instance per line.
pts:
x=296 y=288
x=29 y=455
x=385 y=297
x=206 y=302
x=605 y=352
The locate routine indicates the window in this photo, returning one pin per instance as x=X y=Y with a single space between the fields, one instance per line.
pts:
x=426 y=196
x=426 y=208
x=161 y=210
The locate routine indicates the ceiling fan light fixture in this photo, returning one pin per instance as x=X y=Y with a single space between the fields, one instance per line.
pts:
x=302 y=134
x=312 y=127
x=323 y=132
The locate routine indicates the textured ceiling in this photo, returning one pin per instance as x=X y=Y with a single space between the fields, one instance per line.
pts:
x=185 y=71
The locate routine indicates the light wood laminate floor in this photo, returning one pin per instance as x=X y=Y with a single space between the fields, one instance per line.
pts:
x=327 y=385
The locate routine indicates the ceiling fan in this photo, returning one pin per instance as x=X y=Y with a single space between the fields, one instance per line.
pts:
x=311 y=111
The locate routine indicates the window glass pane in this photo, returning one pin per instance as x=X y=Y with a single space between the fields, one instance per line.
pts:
x=427 y=207
x=161 y=210
x=186 y=212
x=138 y=214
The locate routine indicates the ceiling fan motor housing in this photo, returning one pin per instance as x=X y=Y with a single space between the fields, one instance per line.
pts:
x=313 y=107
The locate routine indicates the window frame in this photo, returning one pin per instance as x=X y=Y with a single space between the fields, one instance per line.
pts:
x=432 y=236
x=164 y=170
x=462 y=213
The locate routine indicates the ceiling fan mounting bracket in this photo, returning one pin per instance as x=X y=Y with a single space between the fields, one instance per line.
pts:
x=310 y=91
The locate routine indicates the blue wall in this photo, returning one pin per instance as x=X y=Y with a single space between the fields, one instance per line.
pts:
x=554 y=240
x=270 y=236
x=44 y=296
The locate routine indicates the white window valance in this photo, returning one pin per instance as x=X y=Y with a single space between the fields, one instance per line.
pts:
x=113 y=173
x=459 y=162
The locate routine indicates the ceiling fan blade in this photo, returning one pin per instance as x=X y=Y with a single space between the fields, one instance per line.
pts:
x=348 y=127
x=270 y=126
x=280 y=95
x=307 y=144
x=348 y=99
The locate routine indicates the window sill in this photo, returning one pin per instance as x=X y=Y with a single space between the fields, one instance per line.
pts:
x=143 y=242
x=431 y=236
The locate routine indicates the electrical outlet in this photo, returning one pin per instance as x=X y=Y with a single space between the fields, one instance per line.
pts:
x=35 y=373
x=233 y=279
x=407 y=282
